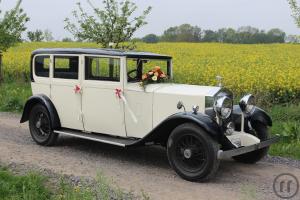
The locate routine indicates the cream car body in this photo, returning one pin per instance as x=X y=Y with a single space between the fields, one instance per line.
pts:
x=93 y=94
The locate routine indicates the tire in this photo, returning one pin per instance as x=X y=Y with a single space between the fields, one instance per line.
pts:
x=40 y=126
x=260 y=131
x=192 y=153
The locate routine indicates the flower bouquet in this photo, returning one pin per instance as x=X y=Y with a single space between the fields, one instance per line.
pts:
x=156 y=75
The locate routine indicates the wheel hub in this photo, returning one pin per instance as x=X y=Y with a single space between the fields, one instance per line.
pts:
x=187 y=153
x=38 y=124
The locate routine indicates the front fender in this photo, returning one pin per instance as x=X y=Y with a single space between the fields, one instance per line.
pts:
x=258 y=115
x=45 y=101
x=261 y=116
x=160 y=134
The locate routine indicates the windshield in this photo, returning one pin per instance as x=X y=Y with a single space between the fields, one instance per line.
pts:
x=137 y=67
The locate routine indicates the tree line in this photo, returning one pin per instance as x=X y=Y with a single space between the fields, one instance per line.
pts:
x=242 y=35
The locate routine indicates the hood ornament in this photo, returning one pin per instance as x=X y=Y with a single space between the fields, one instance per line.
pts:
x=219 y=81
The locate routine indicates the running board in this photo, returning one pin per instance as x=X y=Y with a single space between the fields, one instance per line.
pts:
x=118 y=141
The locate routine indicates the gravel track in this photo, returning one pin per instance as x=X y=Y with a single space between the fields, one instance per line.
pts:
x=141 y=169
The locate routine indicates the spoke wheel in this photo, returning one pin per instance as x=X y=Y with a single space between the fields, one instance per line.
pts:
x=192 y=153
x=40 y=126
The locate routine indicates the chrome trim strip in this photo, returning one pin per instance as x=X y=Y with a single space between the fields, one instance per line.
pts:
x=90 y=138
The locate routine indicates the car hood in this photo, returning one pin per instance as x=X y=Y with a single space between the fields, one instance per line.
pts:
x=182 y=89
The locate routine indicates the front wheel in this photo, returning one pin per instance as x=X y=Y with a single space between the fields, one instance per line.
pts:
x=40 y=126
x=192 y=153
x=261 y=132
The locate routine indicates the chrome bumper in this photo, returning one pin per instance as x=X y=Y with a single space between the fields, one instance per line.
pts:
x=243 y=150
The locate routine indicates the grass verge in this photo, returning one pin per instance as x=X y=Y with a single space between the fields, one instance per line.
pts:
x=13 y=96
x=33 y=186
x=28 y=187
x=286 y=124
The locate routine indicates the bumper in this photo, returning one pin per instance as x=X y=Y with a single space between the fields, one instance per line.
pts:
x=247 y=149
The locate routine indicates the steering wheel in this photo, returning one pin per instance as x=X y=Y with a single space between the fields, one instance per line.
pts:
x=130 y=78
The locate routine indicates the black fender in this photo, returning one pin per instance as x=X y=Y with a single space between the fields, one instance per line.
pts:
x=45 y=101
x=257 y=115
x=161 y=133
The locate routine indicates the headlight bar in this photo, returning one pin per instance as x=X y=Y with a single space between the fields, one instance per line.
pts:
x=223 y=107
x=247 y=103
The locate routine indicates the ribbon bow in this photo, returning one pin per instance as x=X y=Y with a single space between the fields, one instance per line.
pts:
x=118 y=93
x=77 y=89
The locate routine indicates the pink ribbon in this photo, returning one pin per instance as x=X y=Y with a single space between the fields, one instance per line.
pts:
x=77 y=89
x=118 y=93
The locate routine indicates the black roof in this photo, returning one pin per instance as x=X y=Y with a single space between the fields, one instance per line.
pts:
x=108 y=52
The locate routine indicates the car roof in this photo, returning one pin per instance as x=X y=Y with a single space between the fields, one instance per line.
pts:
x=95 y=51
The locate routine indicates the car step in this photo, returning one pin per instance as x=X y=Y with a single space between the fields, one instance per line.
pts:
x=118 y=141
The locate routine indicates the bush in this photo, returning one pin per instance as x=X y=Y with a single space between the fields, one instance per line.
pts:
x=151 y=38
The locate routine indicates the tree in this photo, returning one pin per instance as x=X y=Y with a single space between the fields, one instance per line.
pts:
x=210 y=36
x=276 y=36
x=188 y=33
x=151 y=38
x=247 y=35
x=114 y=24
x=48 y=35
x=12 y=25
x=35 y=36
x=67 y=39
x=170 y=35
x=295 y=11
x=182 y=33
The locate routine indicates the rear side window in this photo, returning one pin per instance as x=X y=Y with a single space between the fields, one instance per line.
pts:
x=66 y=67
x=104 y=69
x=42 y=66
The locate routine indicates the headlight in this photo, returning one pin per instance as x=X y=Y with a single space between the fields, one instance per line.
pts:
x=247 y=103
x=223 y=107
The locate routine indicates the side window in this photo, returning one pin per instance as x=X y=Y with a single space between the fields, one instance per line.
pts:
x=66 y=67
x=41 y=66
x=105 y=69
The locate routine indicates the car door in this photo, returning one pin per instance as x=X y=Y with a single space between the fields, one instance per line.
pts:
x=138 y=110
x=65 y=97
x=102 y=105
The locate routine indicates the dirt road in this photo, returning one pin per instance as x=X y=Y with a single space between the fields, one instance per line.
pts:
x=139 y=169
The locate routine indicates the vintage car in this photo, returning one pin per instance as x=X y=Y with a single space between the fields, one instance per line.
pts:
x=106 y=96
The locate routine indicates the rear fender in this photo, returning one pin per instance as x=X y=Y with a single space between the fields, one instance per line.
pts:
x=45 y=101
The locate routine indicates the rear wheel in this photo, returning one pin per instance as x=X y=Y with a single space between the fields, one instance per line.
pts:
x=40 y=126
x=192 y=153
x=261 y=132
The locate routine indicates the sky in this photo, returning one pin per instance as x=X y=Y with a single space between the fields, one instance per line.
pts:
x=207 y=14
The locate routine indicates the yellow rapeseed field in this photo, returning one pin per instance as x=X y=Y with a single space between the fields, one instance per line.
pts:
x=271 y=70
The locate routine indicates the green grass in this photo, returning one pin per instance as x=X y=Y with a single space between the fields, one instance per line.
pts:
x=28 y=187
x=13 y=96
x=34 y=186
x=286 y=120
